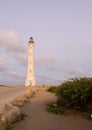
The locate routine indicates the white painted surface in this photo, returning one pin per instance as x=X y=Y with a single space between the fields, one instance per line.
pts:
x=30 y=79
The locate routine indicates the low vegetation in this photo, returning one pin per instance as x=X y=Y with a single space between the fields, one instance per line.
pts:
x=75 y=93
x=53 y=108
x=52 y=89
x=8 y=125
x=21 y=117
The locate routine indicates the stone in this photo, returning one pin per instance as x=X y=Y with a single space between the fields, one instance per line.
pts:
x=54 y=105
x=10 y=114
x=19 y=101
x=29 y=93
x=91 y=115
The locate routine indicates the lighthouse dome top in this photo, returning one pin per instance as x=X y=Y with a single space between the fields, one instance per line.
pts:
x=31 y=40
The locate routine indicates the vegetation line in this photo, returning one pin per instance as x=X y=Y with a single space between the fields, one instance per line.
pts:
x=73 y=94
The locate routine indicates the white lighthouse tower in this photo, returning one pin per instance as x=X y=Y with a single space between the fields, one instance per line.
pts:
x=30 y=79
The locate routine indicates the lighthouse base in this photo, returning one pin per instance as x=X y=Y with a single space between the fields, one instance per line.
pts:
x=30 y=83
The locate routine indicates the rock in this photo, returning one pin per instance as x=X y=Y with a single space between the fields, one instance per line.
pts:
x=7 y=107
x=54 y=105
x=29 y=93
x=10 y=114
x=91 y=115
x=19 y=101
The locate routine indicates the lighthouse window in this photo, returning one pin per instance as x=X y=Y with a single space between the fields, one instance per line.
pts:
x=30 y=62
x=30 y=71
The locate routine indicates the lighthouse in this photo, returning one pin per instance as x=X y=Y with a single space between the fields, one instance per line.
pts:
x=30 y=79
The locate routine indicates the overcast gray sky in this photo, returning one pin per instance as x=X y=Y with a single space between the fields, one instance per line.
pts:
x=62 y=31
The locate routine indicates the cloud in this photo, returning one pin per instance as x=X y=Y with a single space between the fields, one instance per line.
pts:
x=76 y=71
x=51 y=63
x=14 y=75
x=20 y=57
x=2 y=65
x=45 y=79
x=11 y=48
x=11 y=78
x=78 y=48
x=48 y=62
x=11 y=43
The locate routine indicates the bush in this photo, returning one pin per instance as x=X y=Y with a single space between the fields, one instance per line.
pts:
x=76 y=93
x=56 y=110
x=6 y=126
x=53 y=89
x=21 y=117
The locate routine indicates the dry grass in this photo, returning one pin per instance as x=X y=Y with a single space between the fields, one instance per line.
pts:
x=4 y=87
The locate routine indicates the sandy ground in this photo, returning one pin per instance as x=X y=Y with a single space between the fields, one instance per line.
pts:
x=9 y=94
x=39 y=119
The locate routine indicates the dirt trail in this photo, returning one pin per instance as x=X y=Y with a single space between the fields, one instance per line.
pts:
x=39 y=119
x=9 y=94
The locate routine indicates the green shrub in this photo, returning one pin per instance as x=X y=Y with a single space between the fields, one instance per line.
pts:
x=6 y=126
x=53 y=89
x=56 y=110
x=21 y=117
x=76 y=93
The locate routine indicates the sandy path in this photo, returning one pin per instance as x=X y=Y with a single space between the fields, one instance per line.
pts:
x=39 y=119
x=7 y=95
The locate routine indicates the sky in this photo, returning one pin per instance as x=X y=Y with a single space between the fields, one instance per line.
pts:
x=62 y=32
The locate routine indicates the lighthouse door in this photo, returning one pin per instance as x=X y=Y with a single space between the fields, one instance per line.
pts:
x=30 y=83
